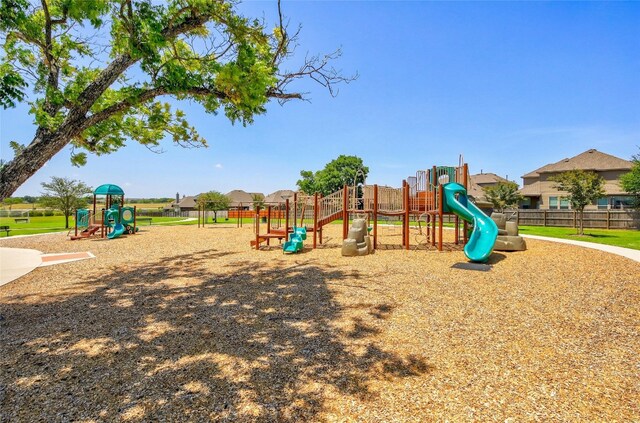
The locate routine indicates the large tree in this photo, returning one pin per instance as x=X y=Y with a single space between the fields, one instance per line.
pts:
x=502 y=195
x=214 y=201
x=93 y=72
x=582 y=188
x=631 y=181
x=348 y=170
x=66 y=195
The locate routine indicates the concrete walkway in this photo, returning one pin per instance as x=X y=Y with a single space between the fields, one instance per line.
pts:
x=16 y=262
x=624 y=252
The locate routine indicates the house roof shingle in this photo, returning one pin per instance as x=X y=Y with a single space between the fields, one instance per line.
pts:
x=277 y=196
x=486 y=178
x=589 y=160
x=531 y=190
x=475 y=191
x=238 y=196
x=185 y=202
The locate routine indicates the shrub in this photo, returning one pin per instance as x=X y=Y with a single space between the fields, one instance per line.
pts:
x=48 y=213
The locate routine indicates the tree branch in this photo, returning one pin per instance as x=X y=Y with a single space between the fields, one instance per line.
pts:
x=317 y=68
x=283 y=34
x=107 y=112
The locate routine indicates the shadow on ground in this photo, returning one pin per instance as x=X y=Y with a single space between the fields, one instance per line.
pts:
x=172 y=341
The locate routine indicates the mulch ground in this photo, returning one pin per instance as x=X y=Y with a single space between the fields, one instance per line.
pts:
x=188 y=324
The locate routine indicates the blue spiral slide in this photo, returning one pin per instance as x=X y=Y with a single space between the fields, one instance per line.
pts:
x=112 y=219
x=485 y=230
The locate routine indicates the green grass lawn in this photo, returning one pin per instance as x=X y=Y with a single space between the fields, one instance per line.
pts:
x=627 y=238
x=618 y=237
x=39 y=225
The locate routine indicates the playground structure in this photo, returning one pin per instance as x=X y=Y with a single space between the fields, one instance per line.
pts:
x=430 y=195
x=304 y=207
x=112 y=221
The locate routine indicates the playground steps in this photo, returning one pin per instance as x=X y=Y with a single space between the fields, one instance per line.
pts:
x=88 y=232
x=330 y=218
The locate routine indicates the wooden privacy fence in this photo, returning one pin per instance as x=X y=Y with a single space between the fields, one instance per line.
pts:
x=275 y=213
x=603 y=219
x=163 y=213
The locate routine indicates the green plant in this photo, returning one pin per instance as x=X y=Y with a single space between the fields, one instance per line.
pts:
x=503 y=195
x=214 y=201
x=93 y=73
x=349 y=170
x=630 y=181
x=65 y=195
x=582 y=188
x=258 y=201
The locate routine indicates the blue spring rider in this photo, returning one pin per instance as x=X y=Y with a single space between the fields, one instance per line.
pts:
x=295 y=241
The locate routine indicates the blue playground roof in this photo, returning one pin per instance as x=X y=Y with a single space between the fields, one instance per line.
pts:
x=108 y=189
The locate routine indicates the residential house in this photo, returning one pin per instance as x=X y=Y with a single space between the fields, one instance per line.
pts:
x=186 y=203
x=478 y=182
x=279 y=196
x=241 y=199
x=539 y=192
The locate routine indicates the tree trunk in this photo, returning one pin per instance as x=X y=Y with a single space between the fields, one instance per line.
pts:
x=66 y=220
x=215 y=216
x=47 y=144
x=35 y=155
x=581 y=223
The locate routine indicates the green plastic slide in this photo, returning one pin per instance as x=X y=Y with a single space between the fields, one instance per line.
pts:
x=295 y=243
x=118 y=230
x=485 y=230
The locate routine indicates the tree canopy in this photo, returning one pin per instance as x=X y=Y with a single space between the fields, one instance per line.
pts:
x=502 y=195
x=631 y=181
x=343 y=170
x=582 y=188
x=214 y=201
x=94 y=72
x=64 y=194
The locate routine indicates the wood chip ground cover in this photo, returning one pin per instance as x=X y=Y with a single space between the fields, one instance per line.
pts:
x=188 y=324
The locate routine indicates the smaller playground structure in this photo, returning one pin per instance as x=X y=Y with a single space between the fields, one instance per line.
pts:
x=427 y=197
x=112 y=221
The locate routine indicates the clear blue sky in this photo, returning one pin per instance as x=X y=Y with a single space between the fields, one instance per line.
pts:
x=510 y=85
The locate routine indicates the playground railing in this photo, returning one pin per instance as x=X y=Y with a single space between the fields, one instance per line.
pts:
x=390 y=200
x=330 y=205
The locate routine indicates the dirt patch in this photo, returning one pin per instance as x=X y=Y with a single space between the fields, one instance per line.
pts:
x=188 y=324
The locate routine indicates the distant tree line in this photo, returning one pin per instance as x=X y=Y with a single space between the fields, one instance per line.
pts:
x=28 y=199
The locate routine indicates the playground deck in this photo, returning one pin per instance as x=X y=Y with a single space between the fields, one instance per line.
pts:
x=185 y=323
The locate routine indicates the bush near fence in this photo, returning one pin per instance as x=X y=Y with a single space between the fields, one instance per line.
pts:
x=593 y=219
